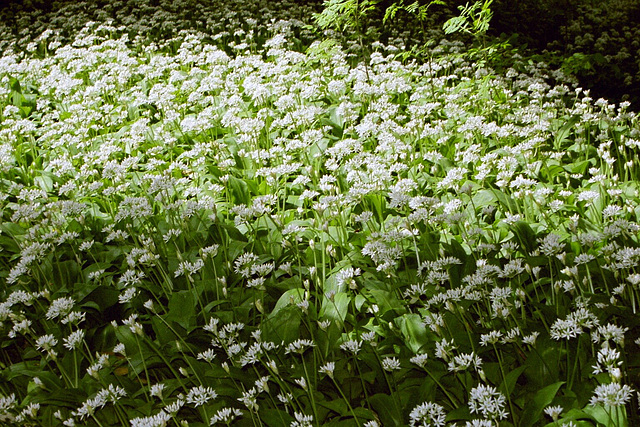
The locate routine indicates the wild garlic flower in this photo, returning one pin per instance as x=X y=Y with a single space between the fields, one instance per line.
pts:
x=133 y=324
x=156 y=390
x=420 y=359
x=390 y=364
x=249 y=400
x=480 y=423
x=612 y=394
x=608 y=361
x=553 y=411
x=200 y=395
x=59 y=308
x=207 y=355
x=444 y=349
x=173 y=408
x=189 y=268
x=351 y=346
x=74 y=340
x=262 y=384
x=160 y=419
x=299 y=346
x=492 y=338
x=302 y=382
x=427 y=414
x=46 y=342
x=127 y=295
x=487 y=401
x=302 y=420
x=530 y=339
x=111 y=394
x=464 y=361
x=327 y=368
x=119 y=349
x=573 y=325
x=609 y=332
x=225 y=416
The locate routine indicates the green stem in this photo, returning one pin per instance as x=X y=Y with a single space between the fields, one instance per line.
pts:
x=355 y=417
x=310 y=391
x=504 y=381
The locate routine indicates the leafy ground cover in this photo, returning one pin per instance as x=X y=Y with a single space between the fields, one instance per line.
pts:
x=228 y=227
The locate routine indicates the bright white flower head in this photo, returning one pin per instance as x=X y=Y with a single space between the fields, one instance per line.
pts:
x=612 y=394
x=427 y=414
x=487 y=401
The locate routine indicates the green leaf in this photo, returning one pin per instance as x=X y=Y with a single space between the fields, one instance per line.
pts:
x=413 y=331
x=575 y=415
x=337 y=309
x=62 y=398
x=233 y=232
x=387 y=301
x=455 y=24
x=509 y=382
x=526 y=236
x=14 y=230
x=562 y=134
x=275 y=417
x=338 y=406
x=182 y=309
x=615 y=416
x=484 y=198
x=385 y=407
x=44 y=181
x=164 y=335
x=290 y=297
x=543 y=398
x=283 y=325
x=8 y=245
x=239 y=190
x=103 y=296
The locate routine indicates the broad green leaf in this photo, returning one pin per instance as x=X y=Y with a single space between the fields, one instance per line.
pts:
x=44 y=181
x=506 y=201
x=233 y=232
x=484 y=198
x=387 y=301
x=413 y=331
x=290 y=297
x=525 y=235
x=337 y=309
x=182 y=309
x=239 y=190
x=541 y=399
x=614 y=416
x=275 y=417
x=338 y=406
x=563 y=132
x=509 y=383
x=12 y=229
x=103 y=296
x=386 y=409
x=284 y=326
x=164 y=335
x=578 y=416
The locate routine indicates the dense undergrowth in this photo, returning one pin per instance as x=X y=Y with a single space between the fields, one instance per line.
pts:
x=238 y=225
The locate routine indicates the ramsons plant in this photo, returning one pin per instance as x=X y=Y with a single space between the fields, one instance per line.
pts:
x=259 y=233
